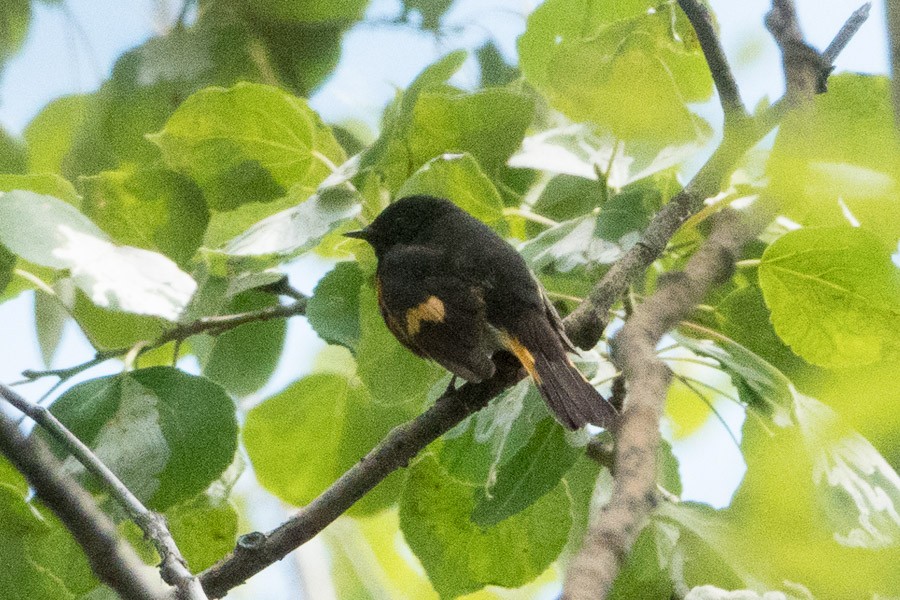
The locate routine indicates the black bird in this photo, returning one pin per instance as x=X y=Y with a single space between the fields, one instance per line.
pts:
x=453 y=291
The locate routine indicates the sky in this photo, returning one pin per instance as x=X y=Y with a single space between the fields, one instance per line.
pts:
x=72 y=49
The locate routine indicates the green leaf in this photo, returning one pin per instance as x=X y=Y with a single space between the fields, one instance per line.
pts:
x=46 y=184
x=333 y=310
x=593 y=59
x=461 y=557
x=431 y=118
x=474 y=450
x=15 y=16
x=394 y=375
x=106 y=328
x=303 y=438
x=834 y=295
x=50 y=318
x=823 y=166
x=51 y=134
x=205 y=529
x=288 y=233
x=302 y=54
x=166 y=434
x=532 y=472
x=149 y=208
x=243 y=359
x=310 y=11
x=248 y=143
x=7 y=265
x=458 y=177
x=52 y=233
x=430 y=11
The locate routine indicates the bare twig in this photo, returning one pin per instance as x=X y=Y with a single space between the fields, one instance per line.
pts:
x=593 y=571
x=585 y=325
x=729 y=95
x=173 y=567
x=113 y=561
x=214 y=325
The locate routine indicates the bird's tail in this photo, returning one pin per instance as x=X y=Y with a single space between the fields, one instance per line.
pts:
x=573 y=401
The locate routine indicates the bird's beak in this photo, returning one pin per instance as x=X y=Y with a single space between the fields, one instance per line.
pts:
x=359 y=234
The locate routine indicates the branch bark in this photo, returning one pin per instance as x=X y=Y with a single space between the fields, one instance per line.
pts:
x=594 y=569
x=173 y=567
x=893 y=23
x=584 y=325
x=113 y=561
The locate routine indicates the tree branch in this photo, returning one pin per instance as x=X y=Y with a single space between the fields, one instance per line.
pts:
x=585 y=325
x=213 y=325
x=594 y=569
x=173 y=567
x=723 y=78
x=113 y=561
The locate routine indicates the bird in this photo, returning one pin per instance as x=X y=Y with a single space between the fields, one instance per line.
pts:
x=453 y=291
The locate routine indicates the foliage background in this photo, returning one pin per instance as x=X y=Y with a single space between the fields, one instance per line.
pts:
x=374 y=54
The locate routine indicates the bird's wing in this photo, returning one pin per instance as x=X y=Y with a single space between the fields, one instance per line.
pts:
x=434 y=312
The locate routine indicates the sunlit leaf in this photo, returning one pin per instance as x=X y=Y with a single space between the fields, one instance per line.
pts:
x=51 y=133
x=834 y=295
x=49 y=232
x=333 y=310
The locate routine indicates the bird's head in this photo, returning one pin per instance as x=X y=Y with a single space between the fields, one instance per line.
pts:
x=403 y=222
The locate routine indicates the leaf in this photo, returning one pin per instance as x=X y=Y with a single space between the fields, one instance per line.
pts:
x=7 y=265
x=288 y=233
x=823 y=167
x=461 y=557
x=248 y=143
x=166 y=434
x=49 y=232
x=50 y=318
x=149 y=208
x=458 y=177
x=50 y=135
x=15 y=17
x=205 y=530
x=310 y=11
x=303 y=438
x=45 y=183
x=333 y=310
x=592 y=61
x=394 y=375
x=582 y=151
x=532 y=472
x=243 y=359
x=834 y=296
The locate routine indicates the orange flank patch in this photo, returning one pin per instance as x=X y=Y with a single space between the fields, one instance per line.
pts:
x=524 y=355
x=430 y=310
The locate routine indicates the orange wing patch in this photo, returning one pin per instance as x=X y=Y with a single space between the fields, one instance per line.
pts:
x=430 y=310
x=524 y=355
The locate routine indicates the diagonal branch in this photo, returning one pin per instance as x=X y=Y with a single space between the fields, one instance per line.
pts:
x=113 y=561
x=173 y=567
x=594 y=569
x=585 y=325
x=723 y=77
x=893 y=21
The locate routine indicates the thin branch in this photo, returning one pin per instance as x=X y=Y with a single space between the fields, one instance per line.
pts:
x=113 y=561
x=214 y=325
x=723 y=77
x=173 y=568
x=852 y=25
x=255 y=551
x=609 y=540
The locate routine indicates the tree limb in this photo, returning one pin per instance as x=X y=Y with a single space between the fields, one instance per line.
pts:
x=594 y=569
x=584 y=325
x=893 y=22
x=173 y=567
x=729 y=95
x=113 y=561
